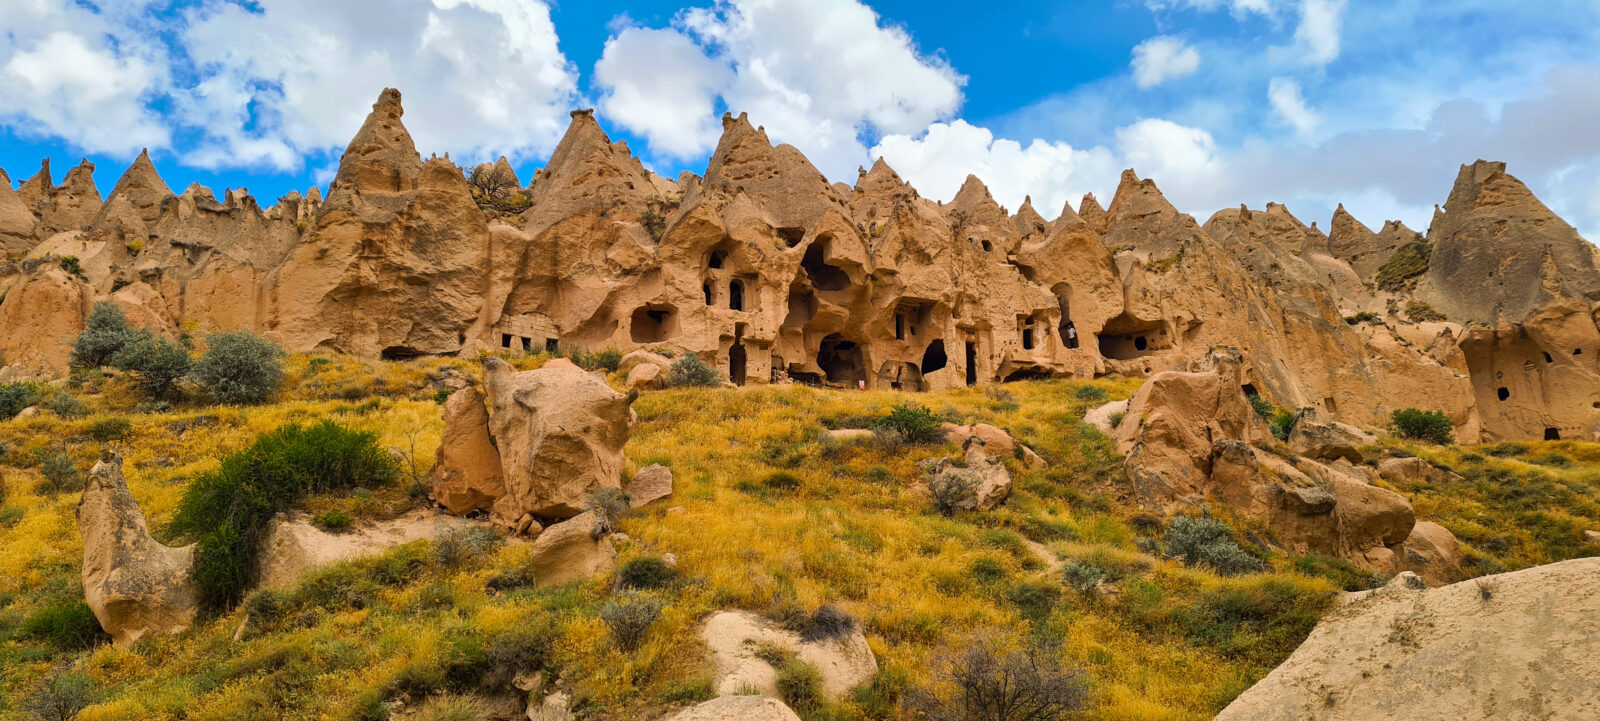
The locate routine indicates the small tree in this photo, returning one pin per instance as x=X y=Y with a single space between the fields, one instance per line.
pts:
x=105 y=332
x=239 y=367
x=61 y=697
x=157 y=363
x=984 y=681
x=1430 y=426
x=690 y=372
x=915 y=422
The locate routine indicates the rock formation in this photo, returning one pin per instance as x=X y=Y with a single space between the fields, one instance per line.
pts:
x=738 y=708
x=466 y=474
x=735 y=638
x=573 y=550
x=136 y=586
x=1521 y=645
x=772 y=274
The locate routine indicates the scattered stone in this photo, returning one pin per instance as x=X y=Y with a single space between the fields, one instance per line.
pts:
x=652 y=483
x=738 y=708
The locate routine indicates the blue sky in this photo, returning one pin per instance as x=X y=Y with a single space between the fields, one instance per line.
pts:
x=1306 y=102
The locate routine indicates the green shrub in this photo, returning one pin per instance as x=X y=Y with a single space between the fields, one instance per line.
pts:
x=984 y=681
x=524 y=649
x=1093 y=394
x=110 y=429
x=1034 y=599
x=917 y=423
x=782 y=482
x=1208 y=542
x=61 y=697
x=157 y=363
x=66 y=405
x=1082 y=576
x=14 y=397
x=953 y=489
x=608 y=360
x=1364 y=316
x=510 y=579
x=334 y=520
x=69 y=625
x=799 y=685
x=630 y=615
x=60 y=473
x=266 y=605
x=239 y=367
x=1422 y=312
x=105 y=332
x=455 y=546
x=610 y=503
x=1342 y=573
x=645 y=572
x=226 y=511
x=690 y=372
x=653 y=223
x=828 y=621
x=1410 y=261
x=1282 y=423
x=1261 y=406
x=1430 y=426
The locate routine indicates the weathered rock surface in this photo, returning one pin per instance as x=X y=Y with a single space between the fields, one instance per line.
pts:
x=576 y=549
x=294 y=545
x=560 y=432
x=997 y=443
x=652 y=483
x=1327 y=440
x=467 y=475
x=136 y=586
x=1521 y=645
x=738 y=708
x=734 y=636
x=991 y=481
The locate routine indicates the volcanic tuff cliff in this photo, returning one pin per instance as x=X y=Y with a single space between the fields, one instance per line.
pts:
x=771 y=273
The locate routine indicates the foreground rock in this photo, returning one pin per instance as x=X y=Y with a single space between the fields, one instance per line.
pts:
x=466 y=475
x=136 y=586
x=735 y=636
x=576 y=549
x=1521 y=645
x=991 y=482
x=295 y=545
x=738 y=708
x=560 y=432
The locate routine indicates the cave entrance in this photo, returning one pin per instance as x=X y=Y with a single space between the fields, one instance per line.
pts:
x=1552 y=434
x=1066 y=328
x=1126 y=337
x=823 y=276
x=972 y=363
x=652 y=324
x=840 y=360
x=901 y=376
x=1029 y=373
x=400 y=352
x=737 y=363
x=709 y=294
x=736 y=294
x=934 y=358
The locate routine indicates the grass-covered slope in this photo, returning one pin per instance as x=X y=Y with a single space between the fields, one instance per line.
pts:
x=775 y=518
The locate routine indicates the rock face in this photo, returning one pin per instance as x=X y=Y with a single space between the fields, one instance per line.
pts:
x=772 y=274
x=560 y=432
x=1521 y=645
x=136 y=586
x=467 y=474
x=42 y=312
x=734 y=637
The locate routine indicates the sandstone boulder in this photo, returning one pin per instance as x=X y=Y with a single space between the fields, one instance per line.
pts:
x=1313 y=437
x=576 y=549
x=1520 y=645
x=734 y=637
x=652 y=483
x=467 y=474
x=294 y=545
x=646 y=376
x=1101 y=416
x=738 y=708
x=40 y=316
x=560 y=433
x=136 y=586
x=1432 y=552
x=997 y=443
x=635 y=359
x=992 y=482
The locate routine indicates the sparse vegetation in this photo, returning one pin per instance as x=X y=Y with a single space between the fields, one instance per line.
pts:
x=630 y=615
x=984 y=680
x=952 y=490
x=1422 y=312
x=1410 y=261
x=333 y=521
x=1208 y=542
x=1364 y=316
x=916 y=423
x=239 y=367
x=14 y=397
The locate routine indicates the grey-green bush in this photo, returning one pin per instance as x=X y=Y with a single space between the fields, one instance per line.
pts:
x=13 y=398
x=630 y=615
x=690 y=372
x=239 y=367
x=157 y=363
x=104 y=333
x=1208 y=542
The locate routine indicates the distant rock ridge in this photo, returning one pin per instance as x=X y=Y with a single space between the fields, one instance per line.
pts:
x=771 y=273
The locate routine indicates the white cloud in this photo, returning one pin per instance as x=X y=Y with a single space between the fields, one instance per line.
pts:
x=938 y=162
x=1319 y=29
x=1163 y=58
x=819 y=75
x=286 y=77
x=1290 y=106
x=659 y=84
x=1160 y=148
x=67 y=72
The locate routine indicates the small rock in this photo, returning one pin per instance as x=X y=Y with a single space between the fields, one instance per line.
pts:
x=652 y=483
x=621 y=538
x=1591 y=536
x=676 y=511
x=555 y=707
x=528 y=682
x=569 y=551
x=671 y=560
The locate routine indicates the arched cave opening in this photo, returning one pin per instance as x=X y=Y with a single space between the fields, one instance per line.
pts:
x=823 y=276
x=716 y=259
x=1126 y=337
x=652 y=324
x=1552 y=434
x=840 y=360
x=934 y=358
x=709 y=293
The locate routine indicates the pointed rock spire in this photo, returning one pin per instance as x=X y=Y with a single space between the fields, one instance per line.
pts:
x=1028 y=221
x=1092 y=212
x=778 y=178
x=37 y=189
x=142 y=187
x=381 y=158
x=587 y=172
x=17 y=223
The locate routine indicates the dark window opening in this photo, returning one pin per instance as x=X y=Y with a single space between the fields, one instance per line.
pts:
x=1330 y=405
x=1126 y=337
x=552 y=345
x=822 y=275
x=505 y=340
x=1547 y=357
x=988 y=247
x=461 y=337
x=527 y=345
x=934 y=358
x=972 y=363
x=1140 y=343
x=1503 y=393
x=840 y=360
x=1577 y=351
x=735 y=295
x=792 y=236
x=1027 y=339
x=706 y=289
x=899 y=327
x=717 y=258
x=736 y=364
x=1552 y=434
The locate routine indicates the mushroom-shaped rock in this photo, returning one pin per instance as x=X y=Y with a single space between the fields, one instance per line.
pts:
x=738 y=708
x=573 y=550
x=734 y=636
x=560 y=432
x=466 y=474
x=136 y=586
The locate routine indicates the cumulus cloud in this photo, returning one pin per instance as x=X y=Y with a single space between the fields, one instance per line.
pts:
x=1319 y=29
x=1290 y=106
x=661 y=85
x=1160 y=148
x=820 y=75
x=1163 y=58
x=938 y=162
x=280 y=78
x=66 y=71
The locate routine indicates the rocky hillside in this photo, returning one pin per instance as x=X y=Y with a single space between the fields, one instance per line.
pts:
x=773 y=275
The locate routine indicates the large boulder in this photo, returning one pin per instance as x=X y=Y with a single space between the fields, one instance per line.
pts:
x=576 y=549
x=735 y=637
x=738 y=708
x=560 y=432
x=991 y=481
x=1314 y=437
x=997 y=443
x=1521 y=645
x=136 y=586
x=467 y=474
